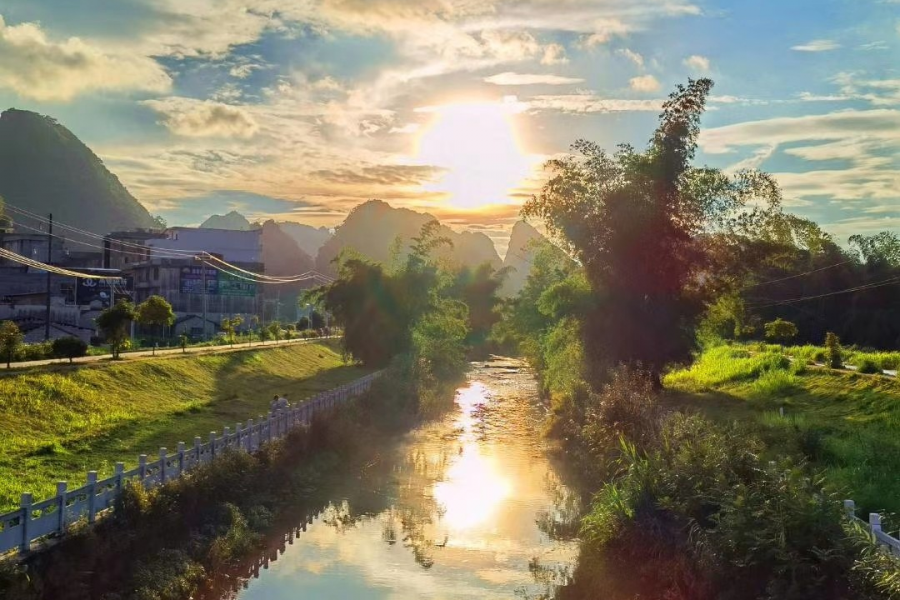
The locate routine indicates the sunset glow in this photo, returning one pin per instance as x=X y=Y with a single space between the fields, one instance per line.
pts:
x=477 y=145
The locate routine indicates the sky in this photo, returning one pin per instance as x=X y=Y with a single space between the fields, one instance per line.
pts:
x=302 y=109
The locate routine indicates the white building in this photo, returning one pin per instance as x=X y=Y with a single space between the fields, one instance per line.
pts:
x=233 y=246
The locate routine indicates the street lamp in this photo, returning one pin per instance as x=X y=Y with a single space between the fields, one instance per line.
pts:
x=309 y=316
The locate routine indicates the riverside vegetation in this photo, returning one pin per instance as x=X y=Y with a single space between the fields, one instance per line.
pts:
x=653 y=256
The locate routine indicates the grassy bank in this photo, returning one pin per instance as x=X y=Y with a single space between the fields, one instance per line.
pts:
x=194 y=536
x=847 y=424
x=57 y=424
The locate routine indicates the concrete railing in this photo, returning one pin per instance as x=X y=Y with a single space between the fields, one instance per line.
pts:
x=874 y=526
x=36 y=520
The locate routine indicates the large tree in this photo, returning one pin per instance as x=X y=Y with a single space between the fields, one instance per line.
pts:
x=155 y=312
x=635 y=221
x=10 y=340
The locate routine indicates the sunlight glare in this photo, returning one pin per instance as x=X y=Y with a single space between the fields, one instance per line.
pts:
x=474 y=488
x=476 y=143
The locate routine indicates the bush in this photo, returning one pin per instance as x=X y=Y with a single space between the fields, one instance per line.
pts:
x=69 y=347
x=780 y=331
x=866 y=364
x=39 y=351
x=833 y=351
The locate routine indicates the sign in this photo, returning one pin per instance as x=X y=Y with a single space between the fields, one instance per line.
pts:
x=229 y=285
x=191 y=280
x=105 y=291
x=218 y=283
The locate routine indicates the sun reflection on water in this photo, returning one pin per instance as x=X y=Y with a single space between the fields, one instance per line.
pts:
x=473 y=488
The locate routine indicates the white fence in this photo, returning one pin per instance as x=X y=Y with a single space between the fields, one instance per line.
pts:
x=874 y=526
x=35 y=520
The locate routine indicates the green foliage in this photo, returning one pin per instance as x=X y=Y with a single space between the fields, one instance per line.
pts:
x=229 y=325
x=780 y=331
x=386 y=314
x=833 y=351
x=113 y=323
x=10 y=340
x=635 y=222
x=868 y=365
x=69 y=347
x=725 y=364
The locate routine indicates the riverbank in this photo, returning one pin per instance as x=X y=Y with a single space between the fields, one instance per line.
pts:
x=183 y=539
x=59 y=424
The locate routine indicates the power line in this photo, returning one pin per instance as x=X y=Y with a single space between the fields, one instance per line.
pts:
x=868 y=286
x=171 y=253
x=18 y=258
x=750 y=287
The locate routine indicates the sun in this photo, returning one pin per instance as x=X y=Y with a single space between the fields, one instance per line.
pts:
x=476 y=144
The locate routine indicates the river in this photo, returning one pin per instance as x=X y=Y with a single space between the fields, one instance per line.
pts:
x=466 y=506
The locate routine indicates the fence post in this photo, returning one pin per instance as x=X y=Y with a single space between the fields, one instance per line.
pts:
x=226 y=433
x=25 y=546
x=180 y=458
x=875 y=522
x=61 y=498
x=92 y=496
x=162 y=465
x=120 y=469
x=238 y=441
x=212 y=445
x=142 y=467
x=850 y=508
x=198 y=443
x=249 y=435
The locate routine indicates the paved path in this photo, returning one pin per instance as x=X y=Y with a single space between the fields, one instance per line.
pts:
x=143 y=354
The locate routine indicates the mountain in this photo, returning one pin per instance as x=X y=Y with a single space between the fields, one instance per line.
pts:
x=280 y=253
x=309 y=238
x=519 y=256
x=233 y=220
x=44 y=169
x=372 y=227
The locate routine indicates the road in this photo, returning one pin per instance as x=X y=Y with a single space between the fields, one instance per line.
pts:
x=143 y=354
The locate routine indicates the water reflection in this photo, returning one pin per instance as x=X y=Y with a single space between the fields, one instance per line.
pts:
x=468 y=507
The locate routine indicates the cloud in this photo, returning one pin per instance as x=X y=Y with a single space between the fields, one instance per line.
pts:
x=591 y=103
x=867 y=142
x=634 y=57
x=510 y=78
x=386 y=175
x=604 y=30
x=36 y=67
x=193 y=118
x=697 y=63
x=554 y=54
x=817 y=46
x=644 y=83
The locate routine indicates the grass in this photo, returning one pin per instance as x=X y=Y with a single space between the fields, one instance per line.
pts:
x=61 y=422
x=847 y=424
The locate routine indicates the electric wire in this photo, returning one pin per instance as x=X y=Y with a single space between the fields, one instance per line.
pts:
x=166 y=252
x=868 y=286
x=18 y=258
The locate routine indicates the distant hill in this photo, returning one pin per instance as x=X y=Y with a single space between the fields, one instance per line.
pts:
x=233 y=220
x=44 y=168
x=309 y=238
x=372 y=227
x=520 y=256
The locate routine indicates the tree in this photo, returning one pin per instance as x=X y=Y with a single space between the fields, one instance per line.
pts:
x=780 y=331
x=155 y=312
x=230 y=325
x=69 y=347
x=635 y=222
x=10 y=340
x=274 y=330
x=881 y=249
x=113 y=323
x=477 y=288
x=316 y=318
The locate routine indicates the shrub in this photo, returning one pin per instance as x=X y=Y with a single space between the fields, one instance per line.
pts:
x=69 y=347
x=833 y=351
x=866 y=364
x=780 y=331
x=39 y=351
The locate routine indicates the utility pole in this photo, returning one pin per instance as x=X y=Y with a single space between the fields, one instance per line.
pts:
x=203 y=269
x=49 y=259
